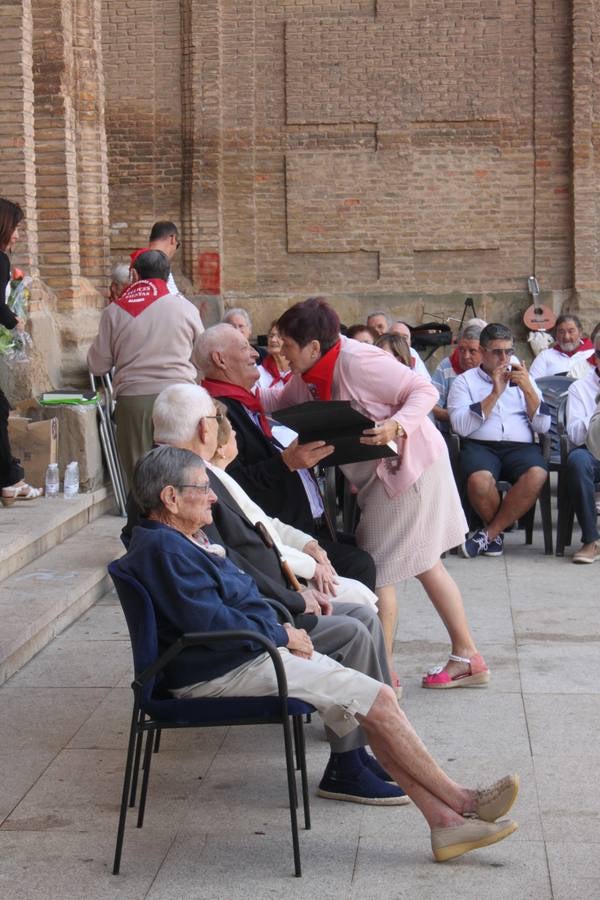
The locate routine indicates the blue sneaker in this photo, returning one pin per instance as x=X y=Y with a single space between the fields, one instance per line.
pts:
x=495 y=547
x=475 y=545
x=360 y=786
x=374 y=766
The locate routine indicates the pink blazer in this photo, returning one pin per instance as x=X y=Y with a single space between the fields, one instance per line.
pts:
x=380 y=387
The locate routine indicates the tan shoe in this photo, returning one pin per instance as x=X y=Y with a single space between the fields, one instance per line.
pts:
x=495 y=801
x=589 y=553
x=448 y=843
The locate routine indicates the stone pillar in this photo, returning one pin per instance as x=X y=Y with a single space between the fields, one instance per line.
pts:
x=586 y=164
x=17 y=149
x=55 y=141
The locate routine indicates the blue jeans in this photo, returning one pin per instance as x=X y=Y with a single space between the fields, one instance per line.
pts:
x=583 y=470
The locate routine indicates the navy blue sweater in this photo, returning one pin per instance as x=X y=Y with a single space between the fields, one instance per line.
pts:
x=193 y=590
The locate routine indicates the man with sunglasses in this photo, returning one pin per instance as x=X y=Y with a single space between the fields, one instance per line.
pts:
x=496 y=409
x=164 y=237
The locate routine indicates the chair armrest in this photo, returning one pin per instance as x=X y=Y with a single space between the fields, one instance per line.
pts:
x=545 y=445
x=280 y=609
x=214 y=637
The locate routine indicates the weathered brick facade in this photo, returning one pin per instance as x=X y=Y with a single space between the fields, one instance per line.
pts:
x=392 y=153
x=388 y=153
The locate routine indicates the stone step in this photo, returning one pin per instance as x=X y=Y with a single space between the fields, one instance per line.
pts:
x=30 y=528
x=40 y=599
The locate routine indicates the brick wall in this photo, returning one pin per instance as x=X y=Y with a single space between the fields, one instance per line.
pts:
x=384 y=153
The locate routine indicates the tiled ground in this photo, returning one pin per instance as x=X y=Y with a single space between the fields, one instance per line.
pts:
x=217 y=824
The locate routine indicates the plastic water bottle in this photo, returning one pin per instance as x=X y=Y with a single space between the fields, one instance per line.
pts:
x=71 y=485
x=52 y=480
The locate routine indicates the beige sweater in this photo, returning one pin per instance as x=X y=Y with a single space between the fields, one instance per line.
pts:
x=151 y=351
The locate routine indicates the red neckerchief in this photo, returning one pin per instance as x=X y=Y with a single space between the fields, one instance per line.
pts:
x=455 y=362
x=139 y=296
x=586 y=344
x=592 y=361
x=270 y=366
x=246 y=398
x=321 y=374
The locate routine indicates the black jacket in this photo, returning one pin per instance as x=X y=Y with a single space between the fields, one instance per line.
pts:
x=262 y=473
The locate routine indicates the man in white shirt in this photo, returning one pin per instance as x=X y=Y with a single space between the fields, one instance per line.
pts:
x=583 y=467
x=569 y=347
x=496 y=408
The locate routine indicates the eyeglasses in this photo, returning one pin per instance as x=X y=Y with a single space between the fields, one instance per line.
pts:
x=219 y=417
x=506 y=351
x=203 y=488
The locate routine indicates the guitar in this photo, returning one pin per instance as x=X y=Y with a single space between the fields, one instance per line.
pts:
x=537 y=317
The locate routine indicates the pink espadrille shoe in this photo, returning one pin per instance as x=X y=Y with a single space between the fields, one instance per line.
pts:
x=477 y=675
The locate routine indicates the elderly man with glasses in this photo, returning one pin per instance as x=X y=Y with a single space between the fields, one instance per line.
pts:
x=497 y=408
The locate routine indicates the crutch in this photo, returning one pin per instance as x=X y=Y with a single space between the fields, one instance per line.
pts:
x=108 y=446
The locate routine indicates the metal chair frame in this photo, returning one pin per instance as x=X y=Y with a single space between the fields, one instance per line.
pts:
x=146 y=719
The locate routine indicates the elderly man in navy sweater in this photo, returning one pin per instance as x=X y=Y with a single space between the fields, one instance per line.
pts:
x=195 y=589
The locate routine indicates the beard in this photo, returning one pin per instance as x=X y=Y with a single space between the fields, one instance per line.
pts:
x=569 y=346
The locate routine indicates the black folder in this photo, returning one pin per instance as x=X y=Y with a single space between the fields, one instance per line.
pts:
x=337 y=423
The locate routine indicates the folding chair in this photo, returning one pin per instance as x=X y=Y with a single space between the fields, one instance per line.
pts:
x=109 y=441
x=154 y=709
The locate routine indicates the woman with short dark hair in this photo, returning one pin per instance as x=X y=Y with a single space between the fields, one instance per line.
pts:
x=410 y=509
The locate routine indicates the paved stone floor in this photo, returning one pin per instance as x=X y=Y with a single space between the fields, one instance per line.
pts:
x=217 y=823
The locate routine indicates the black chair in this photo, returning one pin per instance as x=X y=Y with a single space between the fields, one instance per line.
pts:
x=155 y=709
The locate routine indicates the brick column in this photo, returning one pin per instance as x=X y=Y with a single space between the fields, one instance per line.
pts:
x=16 y=122
x=201 y=139
x=55 y=141
x=586 y=165
x=92 y=164
x=238 y=123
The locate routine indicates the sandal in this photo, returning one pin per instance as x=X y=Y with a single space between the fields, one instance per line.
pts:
x=477 y=675
x=20 y=492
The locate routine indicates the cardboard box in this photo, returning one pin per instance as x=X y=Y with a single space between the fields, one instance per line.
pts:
x=35 y=444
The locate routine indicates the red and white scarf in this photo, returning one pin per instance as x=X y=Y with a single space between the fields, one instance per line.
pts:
x=320 y=376
x=139 y=296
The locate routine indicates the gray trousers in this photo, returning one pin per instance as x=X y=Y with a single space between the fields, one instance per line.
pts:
x=353 y=637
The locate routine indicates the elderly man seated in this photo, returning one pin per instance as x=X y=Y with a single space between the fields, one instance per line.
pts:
x=569 y=348
x=583 y=467
x=496 y=408
x=279 y=479
x=466 y=355
x=195 y=589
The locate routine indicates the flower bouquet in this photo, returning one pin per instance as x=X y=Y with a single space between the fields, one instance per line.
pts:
x=13 y=343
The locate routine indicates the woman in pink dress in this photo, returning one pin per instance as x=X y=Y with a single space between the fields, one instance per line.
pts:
x=410 y=509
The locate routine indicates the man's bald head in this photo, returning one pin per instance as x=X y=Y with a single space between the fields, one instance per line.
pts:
x=226 y=355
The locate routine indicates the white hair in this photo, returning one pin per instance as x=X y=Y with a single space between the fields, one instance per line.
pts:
x=379 y=312
x=238 y=311
x=215 y=338
x=177 y=411
x=120 y=273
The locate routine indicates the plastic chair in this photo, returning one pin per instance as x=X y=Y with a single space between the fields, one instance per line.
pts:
x=154 y=709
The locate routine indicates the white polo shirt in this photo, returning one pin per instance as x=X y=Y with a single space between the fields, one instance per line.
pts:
x=581 y=403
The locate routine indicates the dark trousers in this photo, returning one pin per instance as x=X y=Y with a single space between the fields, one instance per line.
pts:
x=11 y=470
x=348 y=559
x=583 y=470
